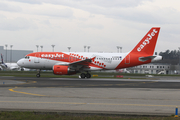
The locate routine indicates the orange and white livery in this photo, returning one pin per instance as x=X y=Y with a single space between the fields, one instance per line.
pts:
x=68 y=63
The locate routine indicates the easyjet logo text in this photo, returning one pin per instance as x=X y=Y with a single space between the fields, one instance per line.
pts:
x=147 y=40
x=52 y=55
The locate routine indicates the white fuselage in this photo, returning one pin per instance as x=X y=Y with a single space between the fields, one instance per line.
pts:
x=48 y=60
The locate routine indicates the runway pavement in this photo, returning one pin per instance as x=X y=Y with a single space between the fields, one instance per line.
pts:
x=152 y=96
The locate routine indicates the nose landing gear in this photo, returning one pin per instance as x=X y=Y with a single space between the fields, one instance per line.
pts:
x=38 y=74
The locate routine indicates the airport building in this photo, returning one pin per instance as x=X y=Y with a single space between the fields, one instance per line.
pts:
x=13 y=56
x=155 y=68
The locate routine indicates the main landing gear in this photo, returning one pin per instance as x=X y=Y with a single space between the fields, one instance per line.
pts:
x=38 y=74
x=87 y=75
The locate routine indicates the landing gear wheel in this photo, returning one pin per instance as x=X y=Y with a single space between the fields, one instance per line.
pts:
x=88 y=75
x=38 y=75
x=83 y=75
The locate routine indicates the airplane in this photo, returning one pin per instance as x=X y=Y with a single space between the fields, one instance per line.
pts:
x=68 y=63
x=8 y=66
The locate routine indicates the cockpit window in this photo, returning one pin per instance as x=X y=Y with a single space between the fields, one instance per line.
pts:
x=26 y=57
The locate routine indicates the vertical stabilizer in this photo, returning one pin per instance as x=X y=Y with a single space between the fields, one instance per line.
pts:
x=2 y=62
x=143 y=51
x=147 y=43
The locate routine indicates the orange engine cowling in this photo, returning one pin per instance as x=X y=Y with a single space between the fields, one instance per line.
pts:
x=62 y=70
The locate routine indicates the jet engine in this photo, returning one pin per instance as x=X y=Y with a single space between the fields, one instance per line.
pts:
x=62 y=70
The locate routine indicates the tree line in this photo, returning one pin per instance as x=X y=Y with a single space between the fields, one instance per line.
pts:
x=170 y=57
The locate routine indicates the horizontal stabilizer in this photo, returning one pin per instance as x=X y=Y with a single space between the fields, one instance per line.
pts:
x=152 y=58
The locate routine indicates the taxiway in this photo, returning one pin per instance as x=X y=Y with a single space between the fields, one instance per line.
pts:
x=157 y=96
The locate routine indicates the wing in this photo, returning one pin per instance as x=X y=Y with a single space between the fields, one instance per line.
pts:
x=82 y=62
x=14 y=68
x=79 y=65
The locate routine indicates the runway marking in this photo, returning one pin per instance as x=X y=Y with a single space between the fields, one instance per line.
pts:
x=28 y=82
x=22 y=82
x=12 y=90
x=74 y=103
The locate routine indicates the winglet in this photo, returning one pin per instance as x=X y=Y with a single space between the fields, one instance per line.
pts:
x=92 y=59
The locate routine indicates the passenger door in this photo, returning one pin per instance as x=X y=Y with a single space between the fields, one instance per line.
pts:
x=36 y=59
x=127 y=59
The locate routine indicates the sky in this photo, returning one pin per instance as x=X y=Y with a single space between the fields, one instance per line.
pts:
x=101 y=24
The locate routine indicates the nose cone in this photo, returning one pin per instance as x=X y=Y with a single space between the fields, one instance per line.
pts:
x=20 y=62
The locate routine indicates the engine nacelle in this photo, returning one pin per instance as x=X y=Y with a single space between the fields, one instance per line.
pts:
x=62 y=70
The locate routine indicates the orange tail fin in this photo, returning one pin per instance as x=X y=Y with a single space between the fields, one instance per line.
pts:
x=148 y=42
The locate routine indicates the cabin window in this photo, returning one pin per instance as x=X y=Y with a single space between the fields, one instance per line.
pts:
x=26 y=57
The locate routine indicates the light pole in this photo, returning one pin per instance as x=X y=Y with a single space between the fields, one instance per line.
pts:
x=88 y=48
x=121 y=49
x=84 y=48
x=37 y=47
x=53 y=47
x=118 y=49
x=6 y=52
x=41 y=48
x=69 y=48
x=11 y=53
